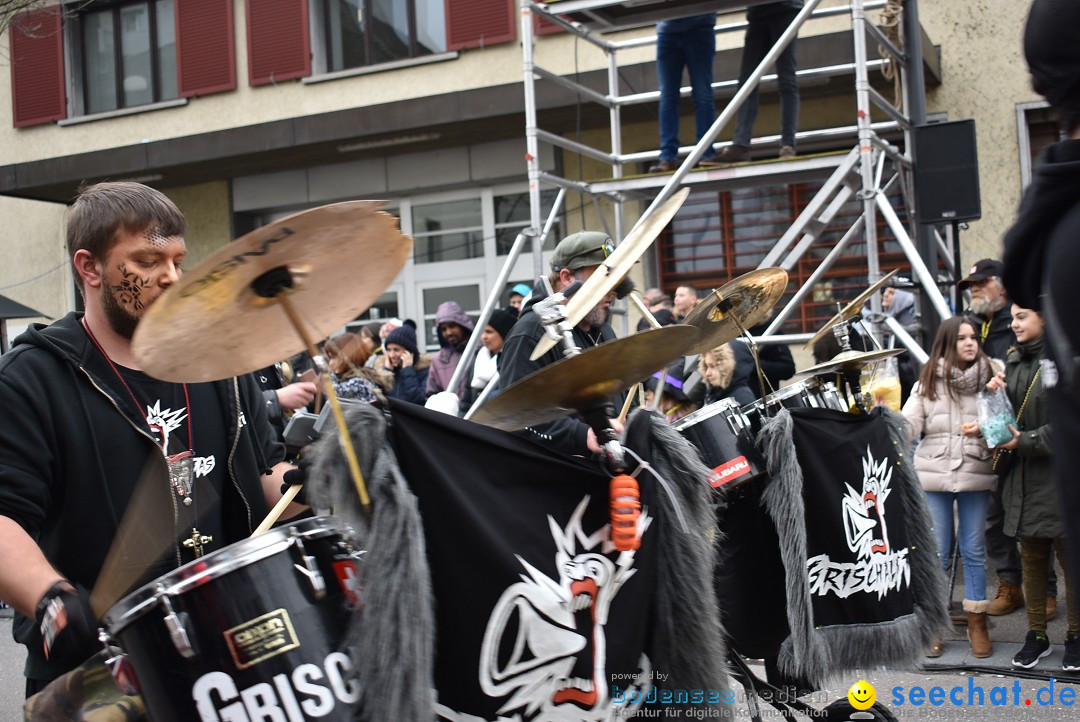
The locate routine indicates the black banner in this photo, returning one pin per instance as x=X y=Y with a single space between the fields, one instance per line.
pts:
x=538 y=616
x=857 y=543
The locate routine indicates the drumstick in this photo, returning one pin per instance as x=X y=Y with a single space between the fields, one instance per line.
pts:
x=636 y=299
x=142 y=538
x=272 y=517
x=626 y=404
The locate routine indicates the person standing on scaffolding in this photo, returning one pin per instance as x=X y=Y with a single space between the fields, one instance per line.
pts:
x=765 y=24
x=689 y=42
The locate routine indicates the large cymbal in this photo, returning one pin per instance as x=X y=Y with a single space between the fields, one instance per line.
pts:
x=605 y=278
x=580 y=381
x=853 y=308
x=851 y=361
x=752 y=296
x=212 y=325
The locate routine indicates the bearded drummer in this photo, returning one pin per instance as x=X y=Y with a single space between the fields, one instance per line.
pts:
x=83 y=422
x=576 y=258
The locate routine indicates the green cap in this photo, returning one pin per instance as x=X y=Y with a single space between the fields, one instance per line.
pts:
x=585 y=248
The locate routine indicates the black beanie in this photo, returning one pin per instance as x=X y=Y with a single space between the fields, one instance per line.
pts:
x=405 y=337
x=501 y=321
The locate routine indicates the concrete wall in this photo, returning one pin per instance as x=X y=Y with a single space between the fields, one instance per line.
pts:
x=35 y=270
x=985 y=76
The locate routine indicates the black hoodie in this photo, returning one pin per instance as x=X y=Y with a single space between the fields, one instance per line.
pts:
x=568 y=434
x=69 y=458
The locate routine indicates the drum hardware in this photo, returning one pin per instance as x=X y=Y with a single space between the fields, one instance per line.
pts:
x=850 y=365
x=305 y=271
x=175 y=625
x=852 y=309
x=608 y=275
x=309 y=568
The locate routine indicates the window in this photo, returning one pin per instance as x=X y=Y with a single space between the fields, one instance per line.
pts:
x=718 y=235
x=447 y=231
x=126 y=56
x=369 y=32
x=512 y=215
x=1039 y=127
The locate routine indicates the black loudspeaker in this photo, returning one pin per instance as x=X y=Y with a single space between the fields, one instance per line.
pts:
x=947 y=173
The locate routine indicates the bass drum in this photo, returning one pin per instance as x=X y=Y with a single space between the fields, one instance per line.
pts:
x=251 y=631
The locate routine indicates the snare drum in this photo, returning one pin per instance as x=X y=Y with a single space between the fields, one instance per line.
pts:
x=251 y=631
x=807 y=393
x=721 y=432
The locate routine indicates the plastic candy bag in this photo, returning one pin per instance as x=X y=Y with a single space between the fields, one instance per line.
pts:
x=995 y=417
x=883 y=384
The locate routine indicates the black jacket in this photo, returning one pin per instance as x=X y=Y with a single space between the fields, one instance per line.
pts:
x=569 y=434
x=997 y=337
x=69 y=459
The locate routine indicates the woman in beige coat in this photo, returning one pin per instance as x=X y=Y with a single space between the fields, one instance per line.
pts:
x=953 y=462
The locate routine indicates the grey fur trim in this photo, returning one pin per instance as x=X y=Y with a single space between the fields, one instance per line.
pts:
x=688 y=639
x=392 y=640
x=822 y=654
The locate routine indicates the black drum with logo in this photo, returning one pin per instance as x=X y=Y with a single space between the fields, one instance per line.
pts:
x=249 y=632
x=721 y=432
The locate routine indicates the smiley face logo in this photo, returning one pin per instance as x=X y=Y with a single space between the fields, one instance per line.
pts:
x=862 y=695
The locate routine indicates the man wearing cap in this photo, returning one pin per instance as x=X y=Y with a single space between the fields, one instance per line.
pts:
x=575 y=259
x=517 y=297
x=989 y=307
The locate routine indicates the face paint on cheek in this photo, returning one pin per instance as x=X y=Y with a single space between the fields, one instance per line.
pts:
x=129 y=291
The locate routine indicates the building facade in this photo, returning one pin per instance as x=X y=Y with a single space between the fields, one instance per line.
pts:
x=244 y=111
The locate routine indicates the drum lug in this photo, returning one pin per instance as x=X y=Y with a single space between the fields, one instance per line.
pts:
x=309 y=569
x=177 y=631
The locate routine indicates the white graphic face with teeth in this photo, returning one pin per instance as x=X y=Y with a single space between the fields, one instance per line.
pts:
x=864 y=514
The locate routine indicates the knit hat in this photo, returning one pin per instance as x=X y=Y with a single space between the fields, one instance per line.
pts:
x=405 y=337
x=502 y=321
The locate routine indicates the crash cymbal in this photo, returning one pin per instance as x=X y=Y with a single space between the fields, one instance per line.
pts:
x=580 y=381
x=752 y=296
x=853 y=308
x=605 y=278
x=850 y=361
x=212 y=324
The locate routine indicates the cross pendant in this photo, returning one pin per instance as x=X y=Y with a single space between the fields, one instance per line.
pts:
x=197 y=541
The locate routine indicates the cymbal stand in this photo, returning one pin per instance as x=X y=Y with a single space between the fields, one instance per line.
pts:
x=726 y=306
x=276 y=284
x=852 y=376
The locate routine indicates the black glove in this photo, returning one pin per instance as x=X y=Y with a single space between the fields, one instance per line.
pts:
x=297 y=476
x=67 y=624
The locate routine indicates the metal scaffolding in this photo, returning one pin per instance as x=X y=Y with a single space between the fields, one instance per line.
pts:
x=861 y=174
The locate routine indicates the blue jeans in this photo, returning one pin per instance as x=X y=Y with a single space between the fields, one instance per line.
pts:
x=761 y=35
x=693 y=49
x=971 y=508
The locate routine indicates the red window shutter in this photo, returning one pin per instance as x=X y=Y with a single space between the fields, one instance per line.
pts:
x=205 y=46
x=477 y=23
x=37 y=67
x=544 y=26
x=278 y=46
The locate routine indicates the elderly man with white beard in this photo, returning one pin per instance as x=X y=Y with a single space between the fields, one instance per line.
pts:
x=575 y=259
x=989 y=307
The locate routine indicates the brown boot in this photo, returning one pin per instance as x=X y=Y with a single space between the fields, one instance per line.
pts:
x=1009 y=598
x=977 y=633
x=1051 y=608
